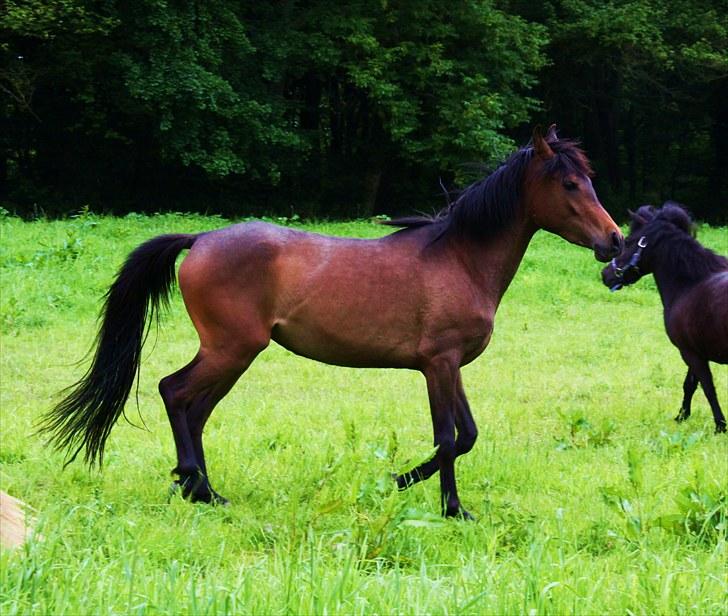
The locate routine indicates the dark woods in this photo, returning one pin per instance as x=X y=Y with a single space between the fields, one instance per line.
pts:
x=333 y=109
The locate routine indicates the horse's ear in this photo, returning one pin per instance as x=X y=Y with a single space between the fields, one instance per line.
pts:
x=643 y=215
x=638 y=219
x=540 y=146
x=551 y=133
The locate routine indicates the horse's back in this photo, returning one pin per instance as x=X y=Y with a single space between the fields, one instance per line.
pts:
x=254 y=259
x=698 y=321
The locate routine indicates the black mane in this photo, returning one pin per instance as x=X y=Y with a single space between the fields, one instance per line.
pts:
x=672 y=236
x=492 y=204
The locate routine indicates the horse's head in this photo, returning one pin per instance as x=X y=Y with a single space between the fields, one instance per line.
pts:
x=560 y=197
x=631 y=264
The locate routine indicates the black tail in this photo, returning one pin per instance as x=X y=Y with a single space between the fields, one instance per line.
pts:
x=142 y=286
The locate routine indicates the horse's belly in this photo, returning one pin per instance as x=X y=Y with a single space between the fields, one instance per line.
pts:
x=355 y=347
x=699 y=323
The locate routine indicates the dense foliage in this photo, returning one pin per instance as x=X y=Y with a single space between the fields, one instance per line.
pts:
x=331 y=109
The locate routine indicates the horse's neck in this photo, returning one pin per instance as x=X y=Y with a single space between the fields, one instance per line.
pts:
x=493 y=262
x=678 y=267
x=669 y=285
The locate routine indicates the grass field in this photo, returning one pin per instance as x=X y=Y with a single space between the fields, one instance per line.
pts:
x=589 y=498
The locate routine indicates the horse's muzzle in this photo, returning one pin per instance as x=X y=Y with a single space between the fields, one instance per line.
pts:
x=610 y=278
x=604 y=251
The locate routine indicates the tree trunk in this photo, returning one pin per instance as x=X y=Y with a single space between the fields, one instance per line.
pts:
x=630 y=142
x=717 y=183
x=372 y=180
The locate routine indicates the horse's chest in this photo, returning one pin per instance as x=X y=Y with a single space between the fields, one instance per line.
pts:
x=477 y=336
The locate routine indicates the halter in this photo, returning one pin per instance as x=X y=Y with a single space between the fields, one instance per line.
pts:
x=631 y=267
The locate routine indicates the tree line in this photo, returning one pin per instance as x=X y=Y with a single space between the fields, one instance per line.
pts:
x=350 y=109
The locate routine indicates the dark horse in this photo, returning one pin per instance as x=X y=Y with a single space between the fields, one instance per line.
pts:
x=693 y=285
x=422 y=298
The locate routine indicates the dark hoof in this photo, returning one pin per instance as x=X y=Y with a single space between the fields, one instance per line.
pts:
x=681 y=416
x=401 y=481
x=466 y=515
x=207 y=496
x=218 y=500
x=181 y=488
x=461 y=514
x=405 y=480
x=174 y=490
x=720 y=429
x=196 y=489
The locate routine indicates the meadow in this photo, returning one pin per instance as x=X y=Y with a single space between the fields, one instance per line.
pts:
x=589 y=498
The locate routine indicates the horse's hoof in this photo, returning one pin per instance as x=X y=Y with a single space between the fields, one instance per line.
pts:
x=181 y=488
x=208 y=497
x=461 y=514
x=720 y=429
x=466 y=515
x=404 y=481
x=197 y=492
x=174 y=489
x=218 y=500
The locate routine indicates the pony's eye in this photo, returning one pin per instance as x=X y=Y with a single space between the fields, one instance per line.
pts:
x=569 y=185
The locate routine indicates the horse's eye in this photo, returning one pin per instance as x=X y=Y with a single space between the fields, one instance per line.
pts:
x=569 y=185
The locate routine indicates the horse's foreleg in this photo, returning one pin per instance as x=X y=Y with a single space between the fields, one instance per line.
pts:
x=464 y=421
x=442 y=377
x=689 y=386
x=467 y=433
x=701 y=369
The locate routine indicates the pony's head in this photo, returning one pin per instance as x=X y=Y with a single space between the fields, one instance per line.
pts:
x=635 y=260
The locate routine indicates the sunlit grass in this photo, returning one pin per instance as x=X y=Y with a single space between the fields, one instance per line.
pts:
x=589 y=498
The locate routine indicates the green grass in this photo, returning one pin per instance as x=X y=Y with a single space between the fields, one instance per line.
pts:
x=589 y=498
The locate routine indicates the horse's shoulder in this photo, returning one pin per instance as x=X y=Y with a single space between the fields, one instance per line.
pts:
x=712 y=291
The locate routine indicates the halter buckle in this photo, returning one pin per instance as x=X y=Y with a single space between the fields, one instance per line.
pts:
x=633 y=263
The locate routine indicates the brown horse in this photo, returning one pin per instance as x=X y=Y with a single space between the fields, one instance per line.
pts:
x=693 y=285
x=422 y=298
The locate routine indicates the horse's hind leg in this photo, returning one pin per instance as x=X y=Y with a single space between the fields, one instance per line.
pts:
x=199 y=412
x=171 y=389
x=689 y=386
x=190 y=395
x=701 y=369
